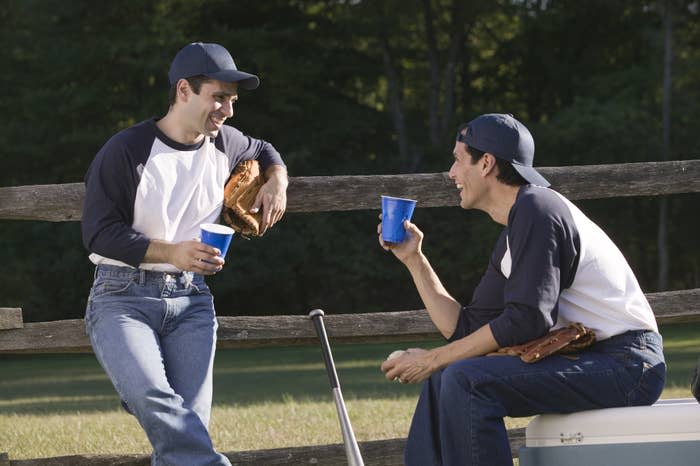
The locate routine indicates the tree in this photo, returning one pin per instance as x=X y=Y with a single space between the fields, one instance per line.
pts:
x=662 y=280
x=348 y=87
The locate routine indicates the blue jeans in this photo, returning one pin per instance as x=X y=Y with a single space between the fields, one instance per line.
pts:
x=154 y=334
x=459 y=417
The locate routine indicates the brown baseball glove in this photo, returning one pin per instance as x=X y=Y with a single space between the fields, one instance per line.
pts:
x=239 y=196
x=565 y=340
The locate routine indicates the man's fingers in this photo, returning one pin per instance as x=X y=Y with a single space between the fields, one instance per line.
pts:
x=385 y=366
x=391 y=375
x=409 y=226
x=389 y=369
x=279 y=213
x=273 y=209
x=384 y=245
x=206 y=249
x=205 y=268
x=267 y=215
x=209 y=259
x=265 y=220
x=258 y=202
x=211 y=255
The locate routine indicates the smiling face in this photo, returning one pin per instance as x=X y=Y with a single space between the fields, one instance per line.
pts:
x=205 y=112
x=469 y=176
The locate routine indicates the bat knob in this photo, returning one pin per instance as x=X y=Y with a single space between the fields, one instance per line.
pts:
x=315 y=312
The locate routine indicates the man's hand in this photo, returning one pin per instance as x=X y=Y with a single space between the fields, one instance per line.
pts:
x=188 y=256
x=413 y=366
x=410 y=248
x=416 y=365
x=272 y=197
x=197 y=257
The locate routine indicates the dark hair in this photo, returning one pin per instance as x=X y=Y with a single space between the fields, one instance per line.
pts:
x=195 y=83
x=506 y=173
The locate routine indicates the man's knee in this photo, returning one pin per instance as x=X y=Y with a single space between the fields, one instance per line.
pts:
x=455 y=382
x=145 y=402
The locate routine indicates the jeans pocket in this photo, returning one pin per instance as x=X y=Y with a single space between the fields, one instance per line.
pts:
x=200 y=288
x=109 y=287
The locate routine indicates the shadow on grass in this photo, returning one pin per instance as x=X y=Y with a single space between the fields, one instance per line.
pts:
x=46 y=384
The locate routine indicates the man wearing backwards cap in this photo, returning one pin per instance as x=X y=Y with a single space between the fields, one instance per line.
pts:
x=550 y=267
x=150 y=315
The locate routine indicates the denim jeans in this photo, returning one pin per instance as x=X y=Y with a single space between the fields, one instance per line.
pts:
x=154 y=334
x=459 y=417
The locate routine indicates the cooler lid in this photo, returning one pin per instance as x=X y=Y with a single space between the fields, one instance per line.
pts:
x=665 y=421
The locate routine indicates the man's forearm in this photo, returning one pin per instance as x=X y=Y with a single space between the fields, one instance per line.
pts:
x=278 y=173
x=475 y=344
x=442 y=307
x=158 y=252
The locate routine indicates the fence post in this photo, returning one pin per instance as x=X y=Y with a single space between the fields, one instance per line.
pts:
x=10 y=317
x=4 y=459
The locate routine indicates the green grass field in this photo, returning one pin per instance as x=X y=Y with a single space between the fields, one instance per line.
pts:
x=53 y=405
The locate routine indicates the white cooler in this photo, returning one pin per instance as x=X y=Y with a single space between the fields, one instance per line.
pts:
x=664 y=434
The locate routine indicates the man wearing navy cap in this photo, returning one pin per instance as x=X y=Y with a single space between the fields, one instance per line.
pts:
x=150 y=315
x=551 y=266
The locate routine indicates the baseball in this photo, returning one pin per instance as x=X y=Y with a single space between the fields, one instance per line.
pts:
x=395 y=354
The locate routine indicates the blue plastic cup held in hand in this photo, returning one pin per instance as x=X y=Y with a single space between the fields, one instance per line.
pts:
x=394 y=211
x=218 y=236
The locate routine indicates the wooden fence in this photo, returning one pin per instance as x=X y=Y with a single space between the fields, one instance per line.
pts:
x=58 y=203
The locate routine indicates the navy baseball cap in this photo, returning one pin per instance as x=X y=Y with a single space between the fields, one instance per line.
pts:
x=211 y=60
x=506 y=138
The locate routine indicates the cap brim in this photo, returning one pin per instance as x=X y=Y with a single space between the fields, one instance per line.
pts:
x=245 y=80
x=531 y=175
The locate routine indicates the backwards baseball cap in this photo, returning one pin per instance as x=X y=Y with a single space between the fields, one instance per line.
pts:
x=211 y=60
x=507 y=139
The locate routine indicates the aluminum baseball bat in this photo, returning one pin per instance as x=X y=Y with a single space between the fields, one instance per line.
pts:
x=352 y=450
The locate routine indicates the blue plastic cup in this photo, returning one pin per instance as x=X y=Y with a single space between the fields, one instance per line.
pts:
x=394 y=211
x=218 y=236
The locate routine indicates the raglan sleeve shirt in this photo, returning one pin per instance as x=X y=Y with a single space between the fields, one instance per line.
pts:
x=242 y=147
x=534 y=259
x=540 y=261
x=108 y=212
x=183 y=188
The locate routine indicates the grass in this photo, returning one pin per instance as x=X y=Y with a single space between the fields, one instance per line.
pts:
x=53 y=405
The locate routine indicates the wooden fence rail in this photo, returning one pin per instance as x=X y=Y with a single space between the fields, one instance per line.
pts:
x=379 y=452
x=65 y=336
x=63 y=202
x=58 y=203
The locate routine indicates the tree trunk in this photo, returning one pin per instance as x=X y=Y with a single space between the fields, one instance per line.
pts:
x=395 y=102
x=662 y=279
x=441 y=90
x=455 y=55
x=434 y=81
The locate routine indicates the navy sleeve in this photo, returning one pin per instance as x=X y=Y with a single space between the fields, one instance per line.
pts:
x=539 y=244
x=472 y=319
x=110 y=188
x=463 y=328
x=487 y=300
x=240 y=147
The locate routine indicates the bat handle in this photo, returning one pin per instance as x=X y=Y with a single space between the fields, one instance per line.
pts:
x=317 y=317
x=352 y=449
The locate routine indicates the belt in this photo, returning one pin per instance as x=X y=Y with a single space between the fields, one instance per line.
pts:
x=143 y=275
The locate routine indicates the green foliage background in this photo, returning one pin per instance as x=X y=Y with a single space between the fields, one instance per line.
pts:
x=585 y=76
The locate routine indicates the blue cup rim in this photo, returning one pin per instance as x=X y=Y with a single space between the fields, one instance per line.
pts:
x=216 y=228
x=398 y=198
